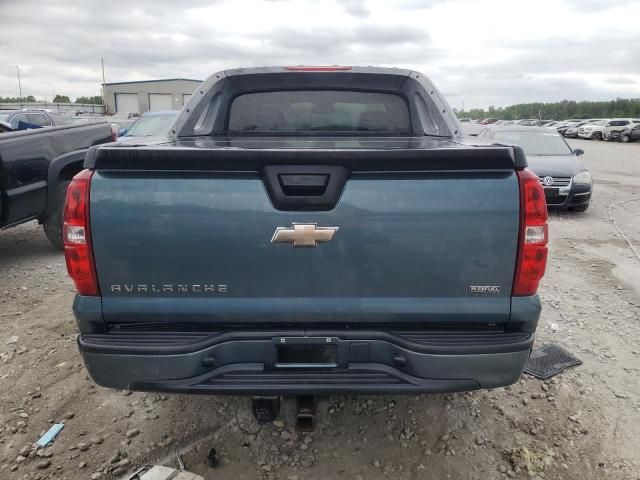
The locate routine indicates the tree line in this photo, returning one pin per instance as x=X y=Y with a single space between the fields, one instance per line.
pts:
x=620 y=107
x=95 y=100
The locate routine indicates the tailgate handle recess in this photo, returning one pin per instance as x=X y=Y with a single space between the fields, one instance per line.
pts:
x=304 y=187
x=303 y=184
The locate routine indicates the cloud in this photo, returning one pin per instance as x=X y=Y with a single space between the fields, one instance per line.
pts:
x=332 y=40
x=419 y=4
x=608 y=52
x=597 y=6
x=501 y=91
x=620 y=80
x=479 y=52
x=599 y=66
x=357 y=8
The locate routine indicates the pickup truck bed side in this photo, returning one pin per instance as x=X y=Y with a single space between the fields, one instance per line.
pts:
x=270 y=262
x=35 y=168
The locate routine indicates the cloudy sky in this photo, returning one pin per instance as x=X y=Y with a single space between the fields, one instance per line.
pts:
x=479 y=53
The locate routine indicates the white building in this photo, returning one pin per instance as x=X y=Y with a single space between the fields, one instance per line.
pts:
x=143 y=96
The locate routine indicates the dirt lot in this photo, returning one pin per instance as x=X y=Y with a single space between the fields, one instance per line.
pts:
x=583 y=424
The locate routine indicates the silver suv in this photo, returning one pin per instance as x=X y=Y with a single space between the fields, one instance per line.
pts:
x=593 y=130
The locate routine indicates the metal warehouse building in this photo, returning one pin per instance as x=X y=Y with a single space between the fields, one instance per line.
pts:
x=140 y=97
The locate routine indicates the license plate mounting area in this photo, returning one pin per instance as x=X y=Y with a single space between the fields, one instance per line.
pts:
x=306 y=352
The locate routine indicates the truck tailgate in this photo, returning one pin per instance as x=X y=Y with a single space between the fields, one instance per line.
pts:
x=187 y=240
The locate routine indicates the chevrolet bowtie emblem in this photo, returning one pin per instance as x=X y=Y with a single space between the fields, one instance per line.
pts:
x=303 y=234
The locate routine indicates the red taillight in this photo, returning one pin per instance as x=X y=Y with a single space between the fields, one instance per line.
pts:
x=533 y=237
x=317 y=68
x=77 y=238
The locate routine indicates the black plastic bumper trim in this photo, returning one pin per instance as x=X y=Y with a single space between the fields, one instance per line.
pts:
x=360 y=378
x=444 y=344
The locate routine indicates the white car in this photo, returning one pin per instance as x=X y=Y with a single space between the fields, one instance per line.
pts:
x=572 y=131
x=617 y=125
x=593 y=130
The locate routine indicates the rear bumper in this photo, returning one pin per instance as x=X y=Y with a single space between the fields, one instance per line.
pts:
x=246 y=362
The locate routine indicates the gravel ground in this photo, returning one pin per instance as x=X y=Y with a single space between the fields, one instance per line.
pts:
x=582 y=424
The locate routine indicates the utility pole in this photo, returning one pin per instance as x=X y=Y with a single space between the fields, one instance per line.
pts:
x=104 y=98
x=19 y=85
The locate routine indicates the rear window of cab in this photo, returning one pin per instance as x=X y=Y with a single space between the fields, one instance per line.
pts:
x=319 y=111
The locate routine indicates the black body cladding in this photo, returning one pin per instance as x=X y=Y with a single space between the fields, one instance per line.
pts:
x=223 y=154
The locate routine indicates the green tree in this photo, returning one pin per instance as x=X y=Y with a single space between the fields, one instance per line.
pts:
x=28 y=98
x=61 y=99
x=95 y=100
x=620 y=107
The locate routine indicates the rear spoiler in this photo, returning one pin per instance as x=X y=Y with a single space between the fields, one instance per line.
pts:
x=443 y=157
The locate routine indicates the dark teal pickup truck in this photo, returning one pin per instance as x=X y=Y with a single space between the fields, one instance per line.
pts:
x=307 y=230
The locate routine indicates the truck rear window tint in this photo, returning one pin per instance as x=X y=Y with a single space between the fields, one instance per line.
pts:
x=319 y=111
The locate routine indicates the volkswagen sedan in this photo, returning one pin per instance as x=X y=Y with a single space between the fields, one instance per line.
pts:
x=566 y=180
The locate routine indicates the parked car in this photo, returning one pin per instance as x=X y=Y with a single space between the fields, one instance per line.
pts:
x=472 y=129
x=35 y=168
x=566 y=180
x=295 y=236
x=122 y=116
x=572 y=131
x=122 y=128
x=464 y=120
x=615 y=136
x=564 y=126
x=617 y=125
x=593 y=130
x=29 y=119
x=631 y=133
x=151 y=124
x=488 y=121
x=122 y=120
